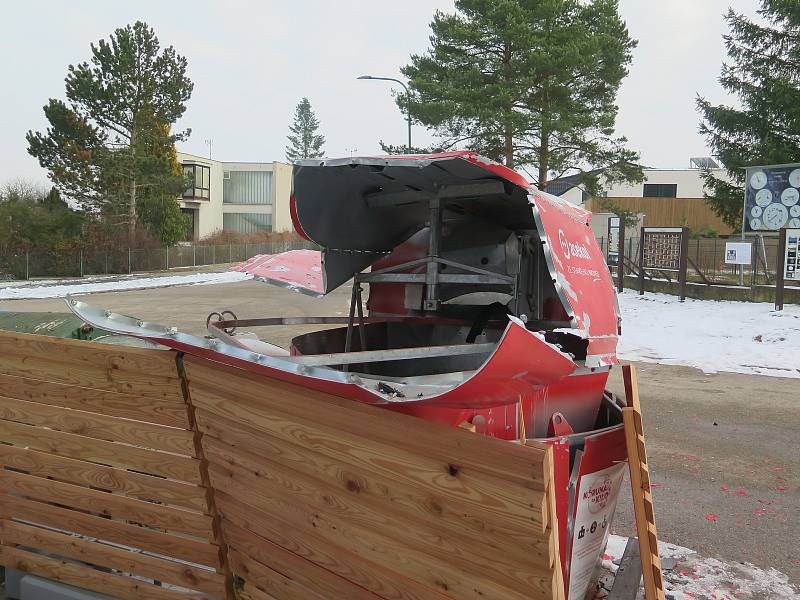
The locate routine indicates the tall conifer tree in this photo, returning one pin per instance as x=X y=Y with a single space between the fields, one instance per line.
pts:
x=532 y=83
x=304 y=141
x=763 y=128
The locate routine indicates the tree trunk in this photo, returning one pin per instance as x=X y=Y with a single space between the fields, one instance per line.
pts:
x=544 y=160
x=132 y=207
x=509 y=136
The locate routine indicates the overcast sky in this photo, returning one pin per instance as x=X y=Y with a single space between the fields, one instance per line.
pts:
x=251 y=61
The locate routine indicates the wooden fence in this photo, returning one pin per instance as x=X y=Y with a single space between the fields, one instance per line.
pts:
x=103 y=486
x=149 y=474
x=668 y=212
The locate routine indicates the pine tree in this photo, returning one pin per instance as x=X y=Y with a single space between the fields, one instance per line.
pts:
x=304 y=142
x=763 y=73
x=531 y=83
x=110 y=140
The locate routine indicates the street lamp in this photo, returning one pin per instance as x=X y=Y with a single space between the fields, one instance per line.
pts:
x=408 y=101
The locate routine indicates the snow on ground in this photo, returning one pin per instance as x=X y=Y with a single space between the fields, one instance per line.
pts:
x=738 y=337
x=59 y=289
x=689 y=576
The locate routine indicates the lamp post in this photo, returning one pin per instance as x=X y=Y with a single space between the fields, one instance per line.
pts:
x=408 y=101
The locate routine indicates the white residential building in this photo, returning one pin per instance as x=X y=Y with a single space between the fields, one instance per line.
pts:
x=658 y=183
x=243 y=197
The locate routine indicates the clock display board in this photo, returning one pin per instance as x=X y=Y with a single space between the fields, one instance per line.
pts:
x=772 y=198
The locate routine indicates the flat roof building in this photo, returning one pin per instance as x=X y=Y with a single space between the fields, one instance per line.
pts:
x=666 y=197
x=243 y=197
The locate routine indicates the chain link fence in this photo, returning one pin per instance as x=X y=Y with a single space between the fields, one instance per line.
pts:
x=116 y=261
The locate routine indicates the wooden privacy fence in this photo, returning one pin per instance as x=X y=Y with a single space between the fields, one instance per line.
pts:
x=147 y=474
x=102 y=486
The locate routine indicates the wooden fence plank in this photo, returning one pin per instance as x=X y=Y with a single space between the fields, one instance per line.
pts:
x=129 y=483
x=99 y=554
x=93 y=355
x=517 y=570
x=385 y=583
x=309 y=574
x=123 y=382
x=381 y=547
x=165 y=412
x=85 y=577
x=251 y=592
x=273 y=583
x=446 y=475
x=517 y=463
x=183 y=468
x=110 y=530
x=475 y=519
x=154 y=515
x=114 y=429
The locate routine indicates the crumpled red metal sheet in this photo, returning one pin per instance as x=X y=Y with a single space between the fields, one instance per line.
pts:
x=581 y=274
x=299 y=270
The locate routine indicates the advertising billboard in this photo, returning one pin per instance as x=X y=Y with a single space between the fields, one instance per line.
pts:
x=772 y=198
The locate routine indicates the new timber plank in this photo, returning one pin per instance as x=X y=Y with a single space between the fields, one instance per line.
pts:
x=154 y=515
x=88 y=578
x=123 y=382
x=110 y=530
x=174 y=466
x=114 y=429
x=447 y=474
x=93 y=355
x=99 y=554
x=518 y=463
x=251 y=592
x=476 y=518
x=375 y=544
x=273 y=583
x=299 y=568
x=385 y=583
x=516 y=570
x=640 y=488
x=170 y=412
x=129 y=483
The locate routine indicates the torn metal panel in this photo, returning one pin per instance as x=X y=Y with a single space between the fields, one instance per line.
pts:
x=521 y=361
x=299 y=270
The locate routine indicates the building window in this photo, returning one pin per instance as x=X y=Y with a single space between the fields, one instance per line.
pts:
x=199 y=178
x=246 y=222
x=660 y=190
x=247 y=187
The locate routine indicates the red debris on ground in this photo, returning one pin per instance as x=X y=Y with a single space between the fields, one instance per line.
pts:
x=710 y=517
x=724 y=488
x=742 y=493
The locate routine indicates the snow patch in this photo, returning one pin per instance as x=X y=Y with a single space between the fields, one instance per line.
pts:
x=736 y=337
x=693 y=577
x=56 y=289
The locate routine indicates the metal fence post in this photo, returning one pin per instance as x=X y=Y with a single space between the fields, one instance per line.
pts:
x=27 y=265
x=213 y=254
x=194 y=254
x=166 y=258
x=129 y=261
x=81 y=261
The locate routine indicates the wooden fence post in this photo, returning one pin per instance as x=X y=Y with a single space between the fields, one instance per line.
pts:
x=641 y=262
x=684 y=262
x=216 y=525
